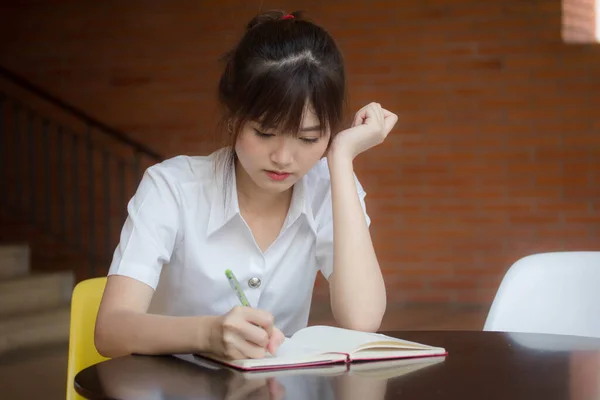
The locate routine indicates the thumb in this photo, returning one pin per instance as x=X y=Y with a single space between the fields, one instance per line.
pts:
x=360 y=117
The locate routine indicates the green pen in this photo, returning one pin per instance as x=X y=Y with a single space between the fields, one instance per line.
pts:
x=235 y=285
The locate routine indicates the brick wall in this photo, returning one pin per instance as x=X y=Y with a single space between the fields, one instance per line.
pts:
x=495 y=155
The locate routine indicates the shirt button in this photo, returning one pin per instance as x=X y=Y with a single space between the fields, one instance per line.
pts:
x=254 y=282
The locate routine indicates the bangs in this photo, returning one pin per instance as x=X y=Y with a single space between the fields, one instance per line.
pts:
x=279 y=95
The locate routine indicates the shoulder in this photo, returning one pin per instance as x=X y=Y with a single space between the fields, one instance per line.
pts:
x=184 y=170
x=181 y=169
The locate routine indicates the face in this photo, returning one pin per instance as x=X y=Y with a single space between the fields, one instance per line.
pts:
x=273 y=161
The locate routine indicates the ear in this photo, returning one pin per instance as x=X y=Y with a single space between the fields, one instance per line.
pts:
x=233 y=128
x=231 y=124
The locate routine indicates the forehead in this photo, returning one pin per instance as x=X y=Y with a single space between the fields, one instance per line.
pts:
x=309 y=118
x=307 y=121
x=312 y=125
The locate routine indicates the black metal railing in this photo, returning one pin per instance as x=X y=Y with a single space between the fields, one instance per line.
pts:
x=70 y=180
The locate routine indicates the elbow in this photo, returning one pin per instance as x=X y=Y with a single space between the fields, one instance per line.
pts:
x=360 y=313
x=364 y=322
x=107 y=345
x=103 y=344
x=102 y=348
x=364 y=325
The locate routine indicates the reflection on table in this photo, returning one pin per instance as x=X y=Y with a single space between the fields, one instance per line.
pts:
x=188 y=376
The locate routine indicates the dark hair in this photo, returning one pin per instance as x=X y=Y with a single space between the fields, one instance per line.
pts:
x=278 y=67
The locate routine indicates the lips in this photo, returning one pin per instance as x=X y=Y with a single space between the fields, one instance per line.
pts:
x=277 y=176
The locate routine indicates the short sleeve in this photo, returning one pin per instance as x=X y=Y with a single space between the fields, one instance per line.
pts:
x=324 y=246
x=150 y=231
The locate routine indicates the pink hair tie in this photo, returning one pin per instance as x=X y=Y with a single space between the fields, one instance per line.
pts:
x=289 y=16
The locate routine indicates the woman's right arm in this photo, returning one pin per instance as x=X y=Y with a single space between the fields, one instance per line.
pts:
x=123 y=326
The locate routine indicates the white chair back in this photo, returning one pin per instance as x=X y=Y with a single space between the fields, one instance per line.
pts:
x=557 y=293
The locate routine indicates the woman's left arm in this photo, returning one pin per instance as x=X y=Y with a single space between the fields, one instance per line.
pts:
x=357 y=289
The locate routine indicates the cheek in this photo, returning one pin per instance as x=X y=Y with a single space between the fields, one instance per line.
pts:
x=244 y=145
x=241 y=149
x=248 y=151
x=321 y=148
x=312 y=155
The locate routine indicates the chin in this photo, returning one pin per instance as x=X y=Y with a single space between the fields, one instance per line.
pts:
x=274 y=187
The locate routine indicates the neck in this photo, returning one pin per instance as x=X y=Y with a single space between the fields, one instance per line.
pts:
x=253 y=200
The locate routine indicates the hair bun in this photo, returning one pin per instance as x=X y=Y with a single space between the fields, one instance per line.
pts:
x=271 y=15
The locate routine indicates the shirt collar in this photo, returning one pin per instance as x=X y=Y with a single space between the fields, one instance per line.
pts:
x=224 y=200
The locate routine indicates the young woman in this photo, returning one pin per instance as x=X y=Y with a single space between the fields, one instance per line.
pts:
x=276 y=206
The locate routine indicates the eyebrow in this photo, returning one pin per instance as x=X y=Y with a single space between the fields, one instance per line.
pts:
x=311 y=128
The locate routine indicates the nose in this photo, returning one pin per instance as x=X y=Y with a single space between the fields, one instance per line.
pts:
x=282 y=154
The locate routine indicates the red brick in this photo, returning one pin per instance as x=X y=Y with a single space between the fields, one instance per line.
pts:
x=475 y=297
x=449 y=156
x=531 y=141
x=582 y=139
x=507 y=206
x=534 y=219
x=481 y=168
x=553 y=155
x=561 y=181
x=425 y=169
x=453 y=208
x=587 y=220
x=398 y=208
x=454 y=283
x=558 y=233
x=487 y=218
x=559 y=206
x=421 y=296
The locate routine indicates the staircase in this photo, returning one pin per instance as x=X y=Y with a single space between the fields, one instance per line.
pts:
x=34 y=307
x=65 y=180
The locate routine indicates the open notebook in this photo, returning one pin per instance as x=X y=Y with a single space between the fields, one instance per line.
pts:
x=323 y=345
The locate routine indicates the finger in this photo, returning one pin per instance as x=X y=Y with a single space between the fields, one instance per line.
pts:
x=233 y=353
x=237 y=347
x=387 y=113
x=254 y=334
x=275 y=341
x=378 y=112
x=367 y=115
x=376 y=107
x=249 y=349
x=359 y=117
x=382 y=116
x=390 y=121
x=259 y=317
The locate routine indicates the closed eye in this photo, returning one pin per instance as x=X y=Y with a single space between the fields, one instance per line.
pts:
x=262 y=134
x=310 y=140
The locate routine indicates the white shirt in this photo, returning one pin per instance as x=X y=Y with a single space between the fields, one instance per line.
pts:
x=184 y=229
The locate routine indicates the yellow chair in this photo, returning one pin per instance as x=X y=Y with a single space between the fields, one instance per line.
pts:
x=85 y=302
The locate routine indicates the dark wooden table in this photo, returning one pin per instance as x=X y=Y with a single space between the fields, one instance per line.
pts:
x=480 y=365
